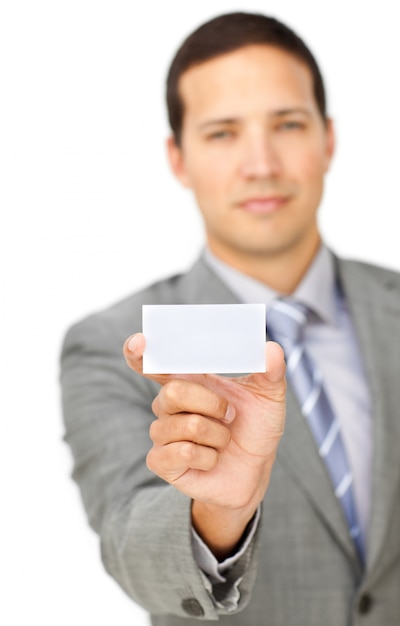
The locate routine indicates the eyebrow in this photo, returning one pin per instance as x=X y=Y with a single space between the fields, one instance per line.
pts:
x=233 y=120
x=217 y=122
x=291 y=111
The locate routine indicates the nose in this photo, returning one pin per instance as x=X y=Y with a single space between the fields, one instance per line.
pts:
x=260 y=158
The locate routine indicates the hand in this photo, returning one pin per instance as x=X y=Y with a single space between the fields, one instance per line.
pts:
x=216 y=439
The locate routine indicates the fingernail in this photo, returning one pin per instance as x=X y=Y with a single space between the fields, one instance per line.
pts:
x=230 y=414
x=132 y=343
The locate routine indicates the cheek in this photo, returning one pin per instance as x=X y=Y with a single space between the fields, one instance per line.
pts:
x=309 y=167
x=209 y=176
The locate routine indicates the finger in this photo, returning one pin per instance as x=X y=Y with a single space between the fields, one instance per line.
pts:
x=188 y=427
x=186 y=396
x=172 y=461
x=133 y=351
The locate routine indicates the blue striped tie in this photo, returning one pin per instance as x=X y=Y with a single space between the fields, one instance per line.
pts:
x=286 y=321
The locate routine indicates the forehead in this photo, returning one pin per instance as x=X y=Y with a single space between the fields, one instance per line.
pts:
x=250 y=79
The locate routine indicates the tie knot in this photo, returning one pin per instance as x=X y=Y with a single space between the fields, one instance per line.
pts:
x=286 y=320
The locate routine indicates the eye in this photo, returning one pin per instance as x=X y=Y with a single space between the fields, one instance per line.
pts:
x=291 y=125
x=221 y=134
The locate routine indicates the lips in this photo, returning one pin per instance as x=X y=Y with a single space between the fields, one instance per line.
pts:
x=263 y=205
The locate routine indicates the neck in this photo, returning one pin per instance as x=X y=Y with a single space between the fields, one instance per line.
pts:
x=280 y=270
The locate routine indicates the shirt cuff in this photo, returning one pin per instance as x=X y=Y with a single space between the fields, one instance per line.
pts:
x=208 y=563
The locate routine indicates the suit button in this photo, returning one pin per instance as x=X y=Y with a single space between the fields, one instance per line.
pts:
x=192 y=607
x=365 y=604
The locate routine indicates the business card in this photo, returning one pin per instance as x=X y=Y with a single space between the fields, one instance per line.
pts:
x=204 y=338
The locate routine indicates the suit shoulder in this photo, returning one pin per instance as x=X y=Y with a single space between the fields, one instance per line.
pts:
x=124 y=317
x=365 y=278
x=376 y=272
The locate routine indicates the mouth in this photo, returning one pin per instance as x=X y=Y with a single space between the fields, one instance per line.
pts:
x=263 y=205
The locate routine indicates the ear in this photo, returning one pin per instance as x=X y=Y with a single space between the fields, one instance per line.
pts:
x=330 y=142
x=177 y=161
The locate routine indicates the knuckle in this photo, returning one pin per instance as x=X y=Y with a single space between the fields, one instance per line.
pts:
x=155 y=406
x=172 y=390
x=195 y=426
x=153 y=430
x=150 y=461
x=187 y=452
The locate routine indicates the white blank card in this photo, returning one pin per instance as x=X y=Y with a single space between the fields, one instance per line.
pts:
x=204 y=338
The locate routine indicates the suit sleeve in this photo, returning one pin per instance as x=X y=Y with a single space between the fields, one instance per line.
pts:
x=143 y=523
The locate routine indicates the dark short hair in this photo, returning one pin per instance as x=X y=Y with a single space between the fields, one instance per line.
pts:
x=227 y=33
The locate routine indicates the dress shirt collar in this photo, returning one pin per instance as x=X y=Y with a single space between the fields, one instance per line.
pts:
x=318 y=289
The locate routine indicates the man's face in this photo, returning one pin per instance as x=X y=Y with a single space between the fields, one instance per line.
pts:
x=254 y=151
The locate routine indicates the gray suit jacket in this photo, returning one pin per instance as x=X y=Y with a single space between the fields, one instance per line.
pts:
x=301 y=569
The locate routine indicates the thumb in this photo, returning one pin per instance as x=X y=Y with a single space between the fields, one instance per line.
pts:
x=272 y=383
x=275 y=359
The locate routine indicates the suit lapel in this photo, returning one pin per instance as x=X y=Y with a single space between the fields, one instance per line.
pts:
x=375 y=308
x=299 y=455
x=297 y=451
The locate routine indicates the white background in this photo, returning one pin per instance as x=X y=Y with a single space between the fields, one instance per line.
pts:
x=90 y=212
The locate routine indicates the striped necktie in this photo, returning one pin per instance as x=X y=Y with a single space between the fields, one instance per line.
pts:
x=286 y=321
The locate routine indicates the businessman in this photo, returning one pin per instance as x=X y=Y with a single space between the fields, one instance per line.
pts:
x=244 y=500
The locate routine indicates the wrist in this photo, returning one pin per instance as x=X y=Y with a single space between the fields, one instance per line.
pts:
x=221 y=528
